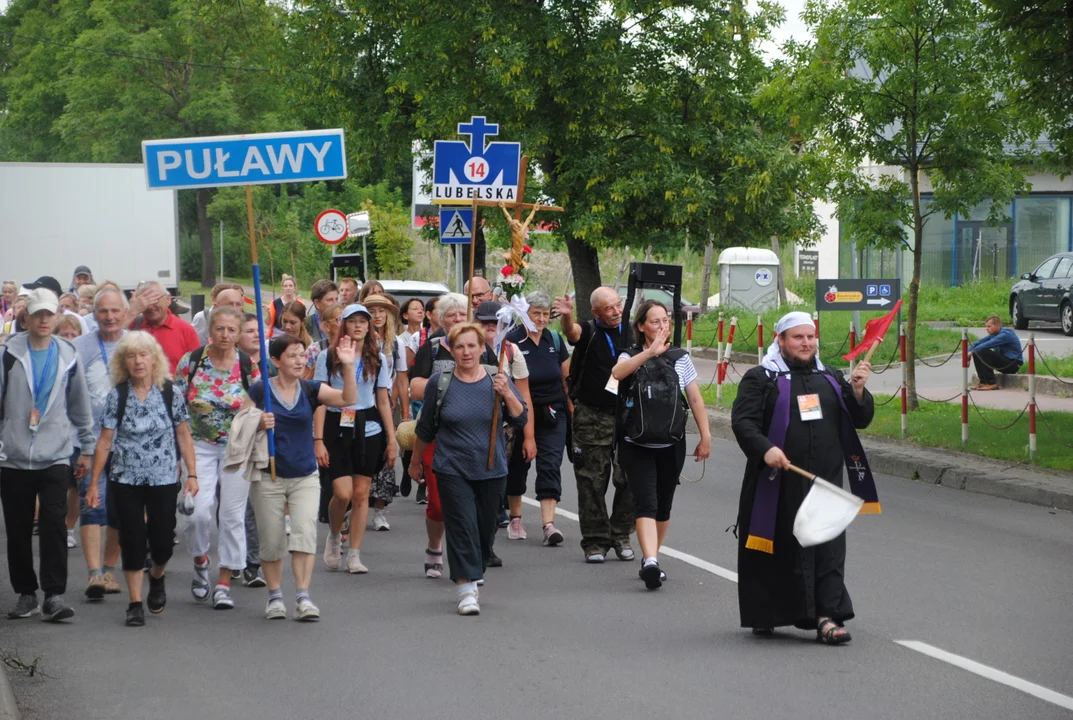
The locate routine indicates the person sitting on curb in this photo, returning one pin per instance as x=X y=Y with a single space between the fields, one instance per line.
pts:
x=1000 y=350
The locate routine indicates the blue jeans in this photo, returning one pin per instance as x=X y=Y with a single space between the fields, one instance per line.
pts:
x=98 y=515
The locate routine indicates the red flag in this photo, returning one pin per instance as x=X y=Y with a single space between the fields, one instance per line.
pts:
x=874 y=331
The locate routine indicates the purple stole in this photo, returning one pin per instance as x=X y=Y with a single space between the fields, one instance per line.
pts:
x=766 y=501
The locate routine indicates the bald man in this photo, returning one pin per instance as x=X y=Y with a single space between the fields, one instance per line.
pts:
x=477 y=290
x=597 y=345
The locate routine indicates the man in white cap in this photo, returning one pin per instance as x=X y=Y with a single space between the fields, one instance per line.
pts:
x=43 y=400
x=792 y=409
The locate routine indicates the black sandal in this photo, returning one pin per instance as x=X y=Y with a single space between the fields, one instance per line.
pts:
x=831 y=635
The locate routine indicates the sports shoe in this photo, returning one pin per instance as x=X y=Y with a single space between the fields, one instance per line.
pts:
x=199 y=586
x=275 y=610
x=515 y=529
x=333 y=551
x=55 y=609
x=493 y=559
x=252 y=577
x=552 y=536
x=135 y=615
x=594 y=558
x=236 y=575
x=111 y=587
x=287 y=524
x=380 y=522
x=662 y=575
x=71 y=542
x=354 y=566
x=503 y=519
x=157 y=597
x=307 y=611
x=625 y=553
x=422 y=494
x=221 y=598
x=651 y=574
x=95 y=587
x=468 y=605
x=25 y=607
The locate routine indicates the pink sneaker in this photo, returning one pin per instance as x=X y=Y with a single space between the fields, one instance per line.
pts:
x=333 y=552
x=552 y=536
x=516 y=531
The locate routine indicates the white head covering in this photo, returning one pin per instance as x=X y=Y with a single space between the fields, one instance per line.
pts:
x=773 y=359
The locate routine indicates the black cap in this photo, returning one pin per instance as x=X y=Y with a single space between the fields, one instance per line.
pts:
x=486 y=311
x=49 y=283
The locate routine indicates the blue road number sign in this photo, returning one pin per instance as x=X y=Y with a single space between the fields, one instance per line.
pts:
x=463 y=171
x=265 y=159
x=456 y=225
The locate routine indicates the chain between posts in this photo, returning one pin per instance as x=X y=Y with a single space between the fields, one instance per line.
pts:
x=992 y=425
x=1041 y=415
x=949 y=357
x=1052 y=373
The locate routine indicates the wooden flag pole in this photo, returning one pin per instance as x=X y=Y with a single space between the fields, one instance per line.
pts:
x=495 y=409
x=868 y=356
x=263 y=364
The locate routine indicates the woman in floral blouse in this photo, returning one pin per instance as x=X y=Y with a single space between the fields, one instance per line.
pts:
x=213 y=382
x=144 y=440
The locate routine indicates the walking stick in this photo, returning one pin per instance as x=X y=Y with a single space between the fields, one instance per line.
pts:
x=495 y=410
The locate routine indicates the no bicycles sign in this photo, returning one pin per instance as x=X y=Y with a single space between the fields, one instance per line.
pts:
x=331 y=227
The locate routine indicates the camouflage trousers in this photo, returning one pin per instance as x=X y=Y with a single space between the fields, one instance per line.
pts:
x=593 y=448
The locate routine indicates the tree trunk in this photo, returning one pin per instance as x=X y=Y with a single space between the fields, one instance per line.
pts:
x=585 y=265
x=780 y=278
x=914 y=292
x=204 y=233
x=479 y=251
x=706 y=282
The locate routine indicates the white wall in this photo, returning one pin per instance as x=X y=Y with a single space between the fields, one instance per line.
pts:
x=828 y=243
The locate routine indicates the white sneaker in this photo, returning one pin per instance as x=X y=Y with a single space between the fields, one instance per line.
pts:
x=354 y=566
x=287 y=524
x=307 y=611
x=380 y=520
x=333 y=551
x=468 y=605
x=71 y=542
x=275 y=610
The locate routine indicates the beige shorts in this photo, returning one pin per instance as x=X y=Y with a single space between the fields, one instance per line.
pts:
x=270 y=499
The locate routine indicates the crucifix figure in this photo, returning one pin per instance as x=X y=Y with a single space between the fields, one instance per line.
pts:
x=518 y=232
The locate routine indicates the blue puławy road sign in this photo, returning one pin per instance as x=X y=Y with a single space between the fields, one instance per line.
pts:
x=265 y=159
x=456 y=225
x=462 y=172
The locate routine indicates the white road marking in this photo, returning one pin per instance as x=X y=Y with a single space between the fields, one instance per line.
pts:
x=986 y=671
x=669 y=552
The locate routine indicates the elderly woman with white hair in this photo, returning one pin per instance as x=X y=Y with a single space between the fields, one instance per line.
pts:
x=144 y=432
x=793 y=409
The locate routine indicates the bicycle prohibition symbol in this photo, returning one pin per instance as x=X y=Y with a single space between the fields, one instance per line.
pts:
x=331 y=227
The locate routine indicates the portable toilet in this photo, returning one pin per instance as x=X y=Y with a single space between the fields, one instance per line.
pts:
x=748 y=278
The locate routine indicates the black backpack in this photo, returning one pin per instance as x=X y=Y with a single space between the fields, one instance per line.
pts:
x=652 y=407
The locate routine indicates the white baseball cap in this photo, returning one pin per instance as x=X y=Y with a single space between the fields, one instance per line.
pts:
x=41 y=299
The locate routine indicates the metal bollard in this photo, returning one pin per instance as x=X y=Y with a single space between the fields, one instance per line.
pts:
x=905 y=372
x=964 y=387
x=1031 y=395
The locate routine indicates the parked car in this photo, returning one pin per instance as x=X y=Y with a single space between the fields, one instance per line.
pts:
x=403 y=290
x=1045 y=294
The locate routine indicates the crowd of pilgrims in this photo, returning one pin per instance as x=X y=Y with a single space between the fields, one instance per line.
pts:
x=117 y=416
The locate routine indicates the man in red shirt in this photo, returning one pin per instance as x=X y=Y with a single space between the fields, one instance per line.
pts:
x=177 y=337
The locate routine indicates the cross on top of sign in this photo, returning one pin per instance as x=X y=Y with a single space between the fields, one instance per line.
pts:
x=477 y=129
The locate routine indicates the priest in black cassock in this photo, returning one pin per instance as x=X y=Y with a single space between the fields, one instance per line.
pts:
x=791 y=409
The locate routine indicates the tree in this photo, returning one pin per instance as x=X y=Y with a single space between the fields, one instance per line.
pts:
x=586 y=87
x=912 y=87
x=1038 y=37
x=133 y=70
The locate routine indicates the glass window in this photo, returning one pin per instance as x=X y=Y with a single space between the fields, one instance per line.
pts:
x=1062 y=270
x=1044 y=271
x=938 y=242
x=1042 y=227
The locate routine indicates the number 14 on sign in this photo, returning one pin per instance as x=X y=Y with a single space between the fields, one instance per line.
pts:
x=476 y=169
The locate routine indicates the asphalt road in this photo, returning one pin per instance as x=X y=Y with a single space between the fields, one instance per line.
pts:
x=986 y=579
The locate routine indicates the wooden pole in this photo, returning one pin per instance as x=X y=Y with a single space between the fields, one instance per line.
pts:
x=263 y=364
x=495 y=411
x=472 y=257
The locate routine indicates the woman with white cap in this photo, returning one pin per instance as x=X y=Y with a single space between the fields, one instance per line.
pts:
x=793 y=409
x=353 y=442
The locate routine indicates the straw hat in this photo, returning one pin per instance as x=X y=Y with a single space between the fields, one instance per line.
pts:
x=376 y=299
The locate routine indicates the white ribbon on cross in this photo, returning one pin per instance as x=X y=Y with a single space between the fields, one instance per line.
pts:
x=508 y=317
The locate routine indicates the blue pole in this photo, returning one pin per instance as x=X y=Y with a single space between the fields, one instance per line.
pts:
x=261 y=329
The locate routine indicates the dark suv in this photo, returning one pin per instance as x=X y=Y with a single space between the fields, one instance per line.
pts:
x=1044 y=294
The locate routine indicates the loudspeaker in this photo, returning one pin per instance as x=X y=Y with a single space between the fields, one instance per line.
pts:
x=664 y=278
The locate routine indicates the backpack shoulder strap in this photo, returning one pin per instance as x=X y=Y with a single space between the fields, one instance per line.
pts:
x=123 y=390
x=245 y=367
x=196 y=356
x=492 y=370
x=441 y=390
x=8 y=363
x=556 y=340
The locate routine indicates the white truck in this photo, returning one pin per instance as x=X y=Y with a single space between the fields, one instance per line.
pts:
x=56 y=216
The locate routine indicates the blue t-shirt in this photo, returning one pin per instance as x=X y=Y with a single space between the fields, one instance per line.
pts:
x=366 y=387
x=294 y=427
x=44 y=364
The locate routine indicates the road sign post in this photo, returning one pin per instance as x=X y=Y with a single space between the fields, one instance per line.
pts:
x=264 y=159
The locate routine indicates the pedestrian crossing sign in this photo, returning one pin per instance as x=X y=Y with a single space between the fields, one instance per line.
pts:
x=456 y=225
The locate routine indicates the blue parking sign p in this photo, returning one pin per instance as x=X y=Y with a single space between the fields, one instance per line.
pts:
x=873 y=290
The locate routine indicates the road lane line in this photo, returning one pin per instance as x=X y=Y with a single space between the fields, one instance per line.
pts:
x=669 y=552
x=986 y=671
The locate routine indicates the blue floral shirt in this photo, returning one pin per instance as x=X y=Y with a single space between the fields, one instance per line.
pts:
x=143 y=449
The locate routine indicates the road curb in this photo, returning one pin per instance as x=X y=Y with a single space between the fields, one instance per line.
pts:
x=9 y=709
x=960 y=471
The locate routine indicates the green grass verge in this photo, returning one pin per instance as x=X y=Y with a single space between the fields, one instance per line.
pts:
x=1060 y=366
x=939 y=425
